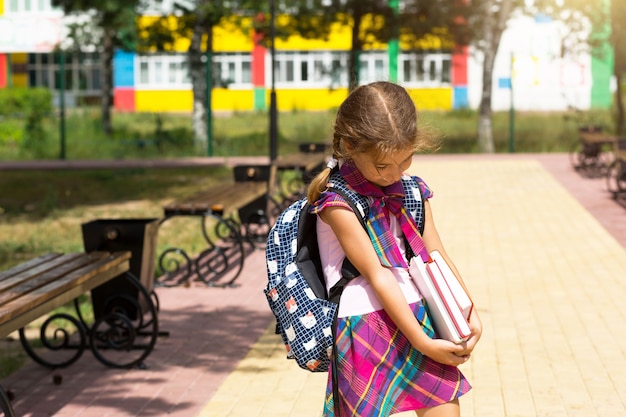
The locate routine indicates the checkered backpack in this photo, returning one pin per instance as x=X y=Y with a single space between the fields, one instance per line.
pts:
x=296 y=291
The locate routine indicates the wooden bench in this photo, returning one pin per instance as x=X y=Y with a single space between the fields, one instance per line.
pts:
x=591 y=153
x=616 y=173
x=35 y=288
x=234 y=216
x=305 y=164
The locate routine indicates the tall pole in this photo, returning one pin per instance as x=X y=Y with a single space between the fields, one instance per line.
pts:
x=208 y=70
x=273 y=108
x=512 y=110
x=62 y=103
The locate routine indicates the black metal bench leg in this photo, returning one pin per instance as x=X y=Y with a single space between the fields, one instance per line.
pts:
x=5 y=404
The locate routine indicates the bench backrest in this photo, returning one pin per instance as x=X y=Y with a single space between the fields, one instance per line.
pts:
x=312 y=147
x=255 y=173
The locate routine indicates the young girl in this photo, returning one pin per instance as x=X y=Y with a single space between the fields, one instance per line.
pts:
x=389 y=359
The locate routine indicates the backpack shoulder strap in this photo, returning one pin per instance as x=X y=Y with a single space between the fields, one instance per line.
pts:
x=357 y=202
x=414 y=201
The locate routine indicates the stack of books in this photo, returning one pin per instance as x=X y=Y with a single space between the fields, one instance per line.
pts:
x=448 y=303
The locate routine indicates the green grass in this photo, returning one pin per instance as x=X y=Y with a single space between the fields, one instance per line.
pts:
x=148 y=135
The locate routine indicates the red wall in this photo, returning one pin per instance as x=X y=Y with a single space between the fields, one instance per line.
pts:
x=459 y=66
x=3 y=71
x=124 y=99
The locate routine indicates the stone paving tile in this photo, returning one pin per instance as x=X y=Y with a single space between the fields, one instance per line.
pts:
x=541 y=248
x=548 y=282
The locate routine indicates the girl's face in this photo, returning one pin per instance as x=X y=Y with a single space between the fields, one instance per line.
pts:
x=385 y=170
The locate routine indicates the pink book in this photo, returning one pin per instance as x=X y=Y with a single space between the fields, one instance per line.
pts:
x=447 y=317
x=460 y=295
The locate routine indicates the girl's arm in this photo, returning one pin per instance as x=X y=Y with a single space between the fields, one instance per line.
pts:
x=358 y=248
x=433 y=242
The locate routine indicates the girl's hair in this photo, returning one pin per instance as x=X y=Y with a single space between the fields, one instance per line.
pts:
x=376 y=119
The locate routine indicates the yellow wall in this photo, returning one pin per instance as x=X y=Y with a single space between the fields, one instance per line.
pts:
x=339 y=40
x=432 y=98
x=163 y=100
x=233 y=100
x=287 y=100
x=174 y=101
x=322 y=99
x=230 y=36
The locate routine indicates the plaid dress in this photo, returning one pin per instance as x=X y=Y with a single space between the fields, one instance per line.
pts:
x=380 y=373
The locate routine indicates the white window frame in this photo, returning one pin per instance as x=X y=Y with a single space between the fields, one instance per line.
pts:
x=162 y=72
x=163 y=7
x=232 y=64
x=29 y=6
x=45 y=72
x=319 y=72
x=373 y=66
x=435 y=73
x=169 y=71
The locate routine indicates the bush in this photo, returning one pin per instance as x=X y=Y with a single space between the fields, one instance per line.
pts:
x=31 y=105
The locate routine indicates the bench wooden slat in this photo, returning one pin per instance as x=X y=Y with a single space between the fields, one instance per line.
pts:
x=101 y=268
x=302 y=161
x=27 y=265
x=596 y=137
x=35 y=271
x=230 y=196
x=43 y=274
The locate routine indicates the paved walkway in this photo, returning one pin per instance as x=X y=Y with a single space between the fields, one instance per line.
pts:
x=541 y=248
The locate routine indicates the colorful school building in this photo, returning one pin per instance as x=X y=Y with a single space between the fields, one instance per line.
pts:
x=533 y=59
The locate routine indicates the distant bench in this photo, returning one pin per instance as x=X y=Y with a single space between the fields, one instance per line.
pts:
x=306 y=164
x=36 y=287
x=233 y=215
x=591 y=152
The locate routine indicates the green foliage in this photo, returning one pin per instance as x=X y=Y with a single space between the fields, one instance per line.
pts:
x=24 y=110
x=24 y=101
x=116 y=17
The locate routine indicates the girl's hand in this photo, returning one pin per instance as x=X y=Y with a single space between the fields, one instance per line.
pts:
x=446 y=352
x=477 y=330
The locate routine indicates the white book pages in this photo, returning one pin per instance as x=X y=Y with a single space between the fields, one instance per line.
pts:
x=460 y=322
x=459 y=293
x=443 y=323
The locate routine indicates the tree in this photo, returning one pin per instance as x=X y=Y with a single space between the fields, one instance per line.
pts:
x=618 y=41
x=486 y=23
x=598 y=27
x=195 y=21
x=114 y=23
x=371 y=22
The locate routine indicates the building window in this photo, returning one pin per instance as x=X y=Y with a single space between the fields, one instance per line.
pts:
x=170 y=71
x=232 y=70
x=30 y=6
x=419 y=69
x=320 y=69
x=373 y=67
x=162 y=71
x=81 y=72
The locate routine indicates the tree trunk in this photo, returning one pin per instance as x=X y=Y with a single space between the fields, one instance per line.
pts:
x=485 y=130
x=353 y=58
x=107 y=81
x=198 y=82
x=619 y=101
x=493 y=26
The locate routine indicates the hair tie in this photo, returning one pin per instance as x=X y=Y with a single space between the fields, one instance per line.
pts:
x=332 y=163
